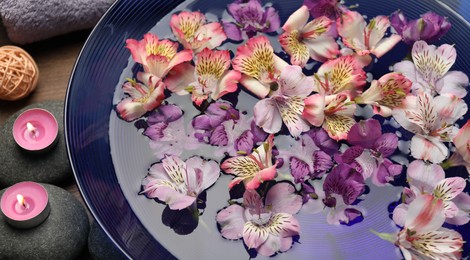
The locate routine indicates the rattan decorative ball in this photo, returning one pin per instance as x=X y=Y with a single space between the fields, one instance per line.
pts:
x=18 y=73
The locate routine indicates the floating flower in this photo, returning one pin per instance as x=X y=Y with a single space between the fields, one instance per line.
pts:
x=423 y=236
x=430 y=179
x=168 y=133
x=323 y=141
x=250 y=18
x=267 y=227
x=335 y=113
x=336 y=193
x=369 y=152
x=145 y=96
x=429 y=70
x=214 y=117
x=329 y=8
x=303 y=159
x=178 y=183
x=366 y=38
x=259 y=65
x=302 y=40
x=430 y=27
x=210 y=77
x=285 y=104
x=431 y=120
x=341 y=75
x=254 y=168
x=462 y=146
x=192 y=31
x=158 y=57
x=386 y=93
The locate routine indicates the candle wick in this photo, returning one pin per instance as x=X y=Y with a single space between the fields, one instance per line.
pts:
x=32 y=130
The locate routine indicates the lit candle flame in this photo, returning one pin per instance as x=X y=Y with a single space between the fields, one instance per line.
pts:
x=30 y=127
x=20 y=199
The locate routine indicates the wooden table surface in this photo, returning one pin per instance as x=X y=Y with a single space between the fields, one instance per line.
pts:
x=55 y=59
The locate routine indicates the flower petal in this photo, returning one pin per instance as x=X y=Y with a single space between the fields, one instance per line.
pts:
x=231 y=221
x=130 y=110
x=253 y=235
x=431 y=62
x=338 y=126
x=449 y=188
x=293 y=82
x=462 y=141
x=227 y=84
x=386 y=45
x=425 y=214
x=314 y=109
x=399 y=214
x=386 y=144
x=297 y=20
x=429 y=149
x=450 y=108
x=180 y=78
x=424 y=177
x=454 y=83
x=351 y=26
x=438 y=244
x=267 y=115
x=282 y=198
x=365 y=133
x=209 y=169
x=266 y=174
x=291 y=113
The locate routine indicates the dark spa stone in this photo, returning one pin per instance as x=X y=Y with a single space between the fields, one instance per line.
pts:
x=63 y=235
x=100 y=245
x=50 y=166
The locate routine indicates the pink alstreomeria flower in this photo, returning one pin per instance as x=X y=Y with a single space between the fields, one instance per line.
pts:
x=210 y=77
x=432 y=121
x=146 y=94
x=423 y=236
x=430 y=179
x=302 y=40
x=267 y=227
x=259 y=66
x=191 y=30
x=157 y=56
x=429 y=70
x=366 y=38
x=178 y=183
x=386 y=93
x=285 y=104
x=254 y=168
x=336 y=82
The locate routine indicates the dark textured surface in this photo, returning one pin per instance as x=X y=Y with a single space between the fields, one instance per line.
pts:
x=63 y=235
x=17 y=165
x=28 y=21
x=101 y=247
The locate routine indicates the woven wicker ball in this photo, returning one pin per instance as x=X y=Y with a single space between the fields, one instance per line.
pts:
x=18 y=73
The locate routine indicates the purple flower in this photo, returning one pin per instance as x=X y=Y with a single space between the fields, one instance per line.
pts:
x=369 y=152
x=344 y=181
x=211 y=122
x=159 y=120
x=430 y=27
x=323 y=140
x=303 y=159
x=249 y=19
x=335 y=195
x=329 y=8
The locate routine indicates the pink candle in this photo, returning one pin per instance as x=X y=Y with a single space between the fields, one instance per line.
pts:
x=35 y=130
x=25 y=204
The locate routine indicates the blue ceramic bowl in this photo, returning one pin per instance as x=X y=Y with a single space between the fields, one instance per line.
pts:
x=89 y=107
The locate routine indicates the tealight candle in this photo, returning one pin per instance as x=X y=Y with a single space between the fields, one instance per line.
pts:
x=25 y=204
x=36 y=130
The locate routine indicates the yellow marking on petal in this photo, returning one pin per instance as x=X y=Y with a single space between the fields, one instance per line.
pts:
x=244 y=167
x=190 y=24
x=338 y=125
x=163 y=48
x=260 y=64
x=392 y=93
x=341 y=75
x=296 y=48
x=291 y=110
x=212 y=64
x=277 y=223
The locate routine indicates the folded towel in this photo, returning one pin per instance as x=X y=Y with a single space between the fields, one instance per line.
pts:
x=28 y=21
